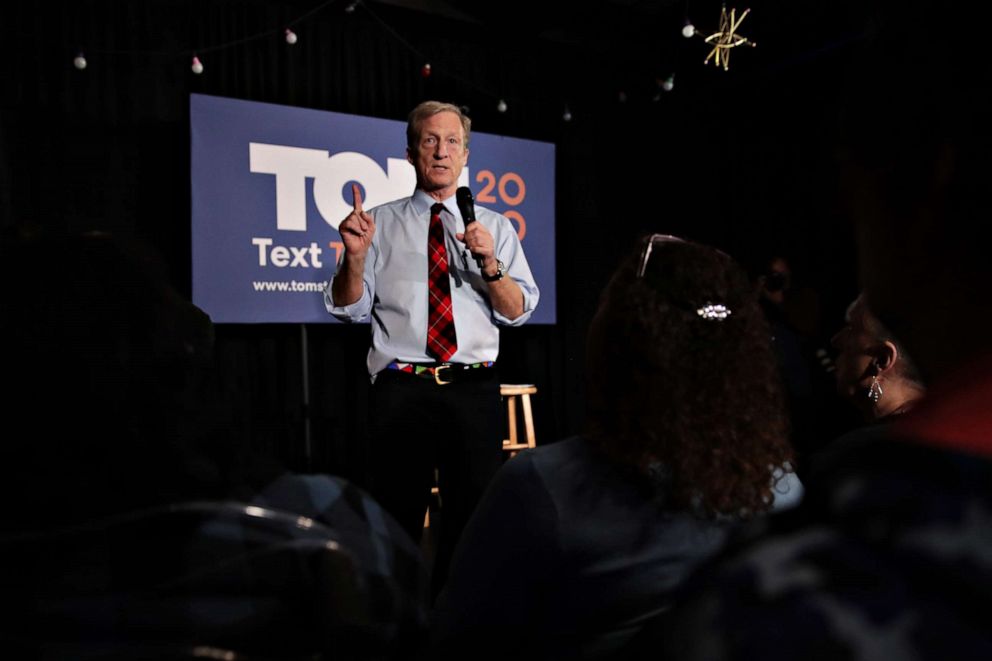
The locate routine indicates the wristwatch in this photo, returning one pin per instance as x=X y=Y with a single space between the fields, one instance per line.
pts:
x=498 y=275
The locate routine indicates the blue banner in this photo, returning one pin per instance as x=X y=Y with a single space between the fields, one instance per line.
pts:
x=271 y=183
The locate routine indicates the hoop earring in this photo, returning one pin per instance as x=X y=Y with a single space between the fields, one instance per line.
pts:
x=875 y=390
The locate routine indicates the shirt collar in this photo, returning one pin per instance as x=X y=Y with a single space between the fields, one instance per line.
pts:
x=422 y=203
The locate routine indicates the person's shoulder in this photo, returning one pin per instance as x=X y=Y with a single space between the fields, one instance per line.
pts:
x=572 y=470
x=336 y=502
x=490 y=217
x=550 y=455
x=849 y=447
x=544 y=463
x=396 y=207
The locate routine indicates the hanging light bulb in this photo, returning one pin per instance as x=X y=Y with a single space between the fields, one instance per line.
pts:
x=425 y=70
x=669 y=83
x=567 y=115
x=197 y=66
x=501 y=106
x=688 y=30
x=351 y=7
x=79 y=62
x=290 y=37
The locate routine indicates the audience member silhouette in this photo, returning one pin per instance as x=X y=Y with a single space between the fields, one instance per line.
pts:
x=873 y=370
x=817 y=414
x=888 y=558
x=135 y=527
x=577 y=542
x=875 y=373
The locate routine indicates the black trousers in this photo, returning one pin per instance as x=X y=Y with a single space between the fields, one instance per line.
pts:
x=417 y=426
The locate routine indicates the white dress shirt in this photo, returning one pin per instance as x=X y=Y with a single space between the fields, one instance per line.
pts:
x=394 y=295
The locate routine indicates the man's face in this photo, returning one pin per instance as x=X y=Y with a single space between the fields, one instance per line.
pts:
x=440 y=154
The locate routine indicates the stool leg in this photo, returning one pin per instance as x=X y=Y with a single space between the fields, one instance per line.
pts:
x=511 y=412
x=529 y=421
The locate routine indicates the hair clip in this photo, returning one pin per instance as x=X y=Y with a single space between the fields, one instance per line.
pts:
x=712 y=311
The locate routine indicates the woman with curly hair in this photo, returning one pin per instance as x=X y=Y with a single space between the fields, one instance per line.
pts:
x=579 y=542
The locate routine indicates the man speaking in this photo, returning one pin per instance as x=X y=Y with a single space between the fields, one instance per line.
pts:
x=437 y=284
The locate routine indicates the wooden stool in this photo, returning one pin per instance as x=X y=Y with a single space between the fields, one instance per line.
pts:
x=510 y=392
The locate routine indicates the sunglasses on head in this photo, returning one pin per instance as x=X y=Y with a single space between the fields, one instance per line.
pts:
x=710 y=311
x=649 y=246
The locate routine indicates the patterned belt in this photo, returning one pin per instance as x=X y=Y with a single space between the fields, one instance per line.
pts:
x=445 y=373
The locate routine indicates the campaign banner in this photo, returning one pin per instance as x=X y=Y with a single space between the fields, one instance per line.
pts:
x=271 y=183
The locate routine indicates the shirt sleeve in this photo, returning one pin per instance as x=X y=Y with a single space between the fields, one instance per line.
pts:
x=511 y=253
x=360 y=310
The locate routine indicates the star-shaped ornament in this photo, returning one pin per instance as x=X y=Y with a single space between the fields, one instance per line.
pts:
x=727 y=38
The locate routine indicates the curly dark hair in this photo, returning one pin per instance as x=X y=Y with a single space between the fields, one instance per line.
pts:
x=701 y=397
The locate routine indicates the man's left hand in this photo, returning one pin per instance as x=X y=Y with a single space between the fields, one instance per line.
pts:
x=479 y=242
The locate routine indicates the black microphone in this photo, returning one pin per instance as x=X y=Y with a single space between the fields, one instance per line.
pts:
x=466 y=204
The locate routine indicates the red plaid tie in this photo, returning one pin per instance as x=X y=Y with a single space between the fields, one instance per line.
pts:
x=441 y=339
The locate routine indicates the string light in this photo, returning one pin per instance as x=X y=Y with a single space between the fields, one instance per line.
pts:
x=722 y=41
x=80 y=63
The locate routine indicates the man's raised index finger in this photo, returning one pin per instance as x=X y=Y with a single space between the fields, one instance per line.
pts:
x=357 y=193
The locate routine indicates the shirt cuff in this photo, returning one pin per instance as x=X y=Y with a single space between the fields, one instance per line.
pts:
x=354 y=312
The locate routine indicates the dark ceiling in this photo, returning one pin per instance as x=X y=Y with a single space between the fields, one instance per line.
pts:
x=640 y=26
x=555 y=19
x=636 y=44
